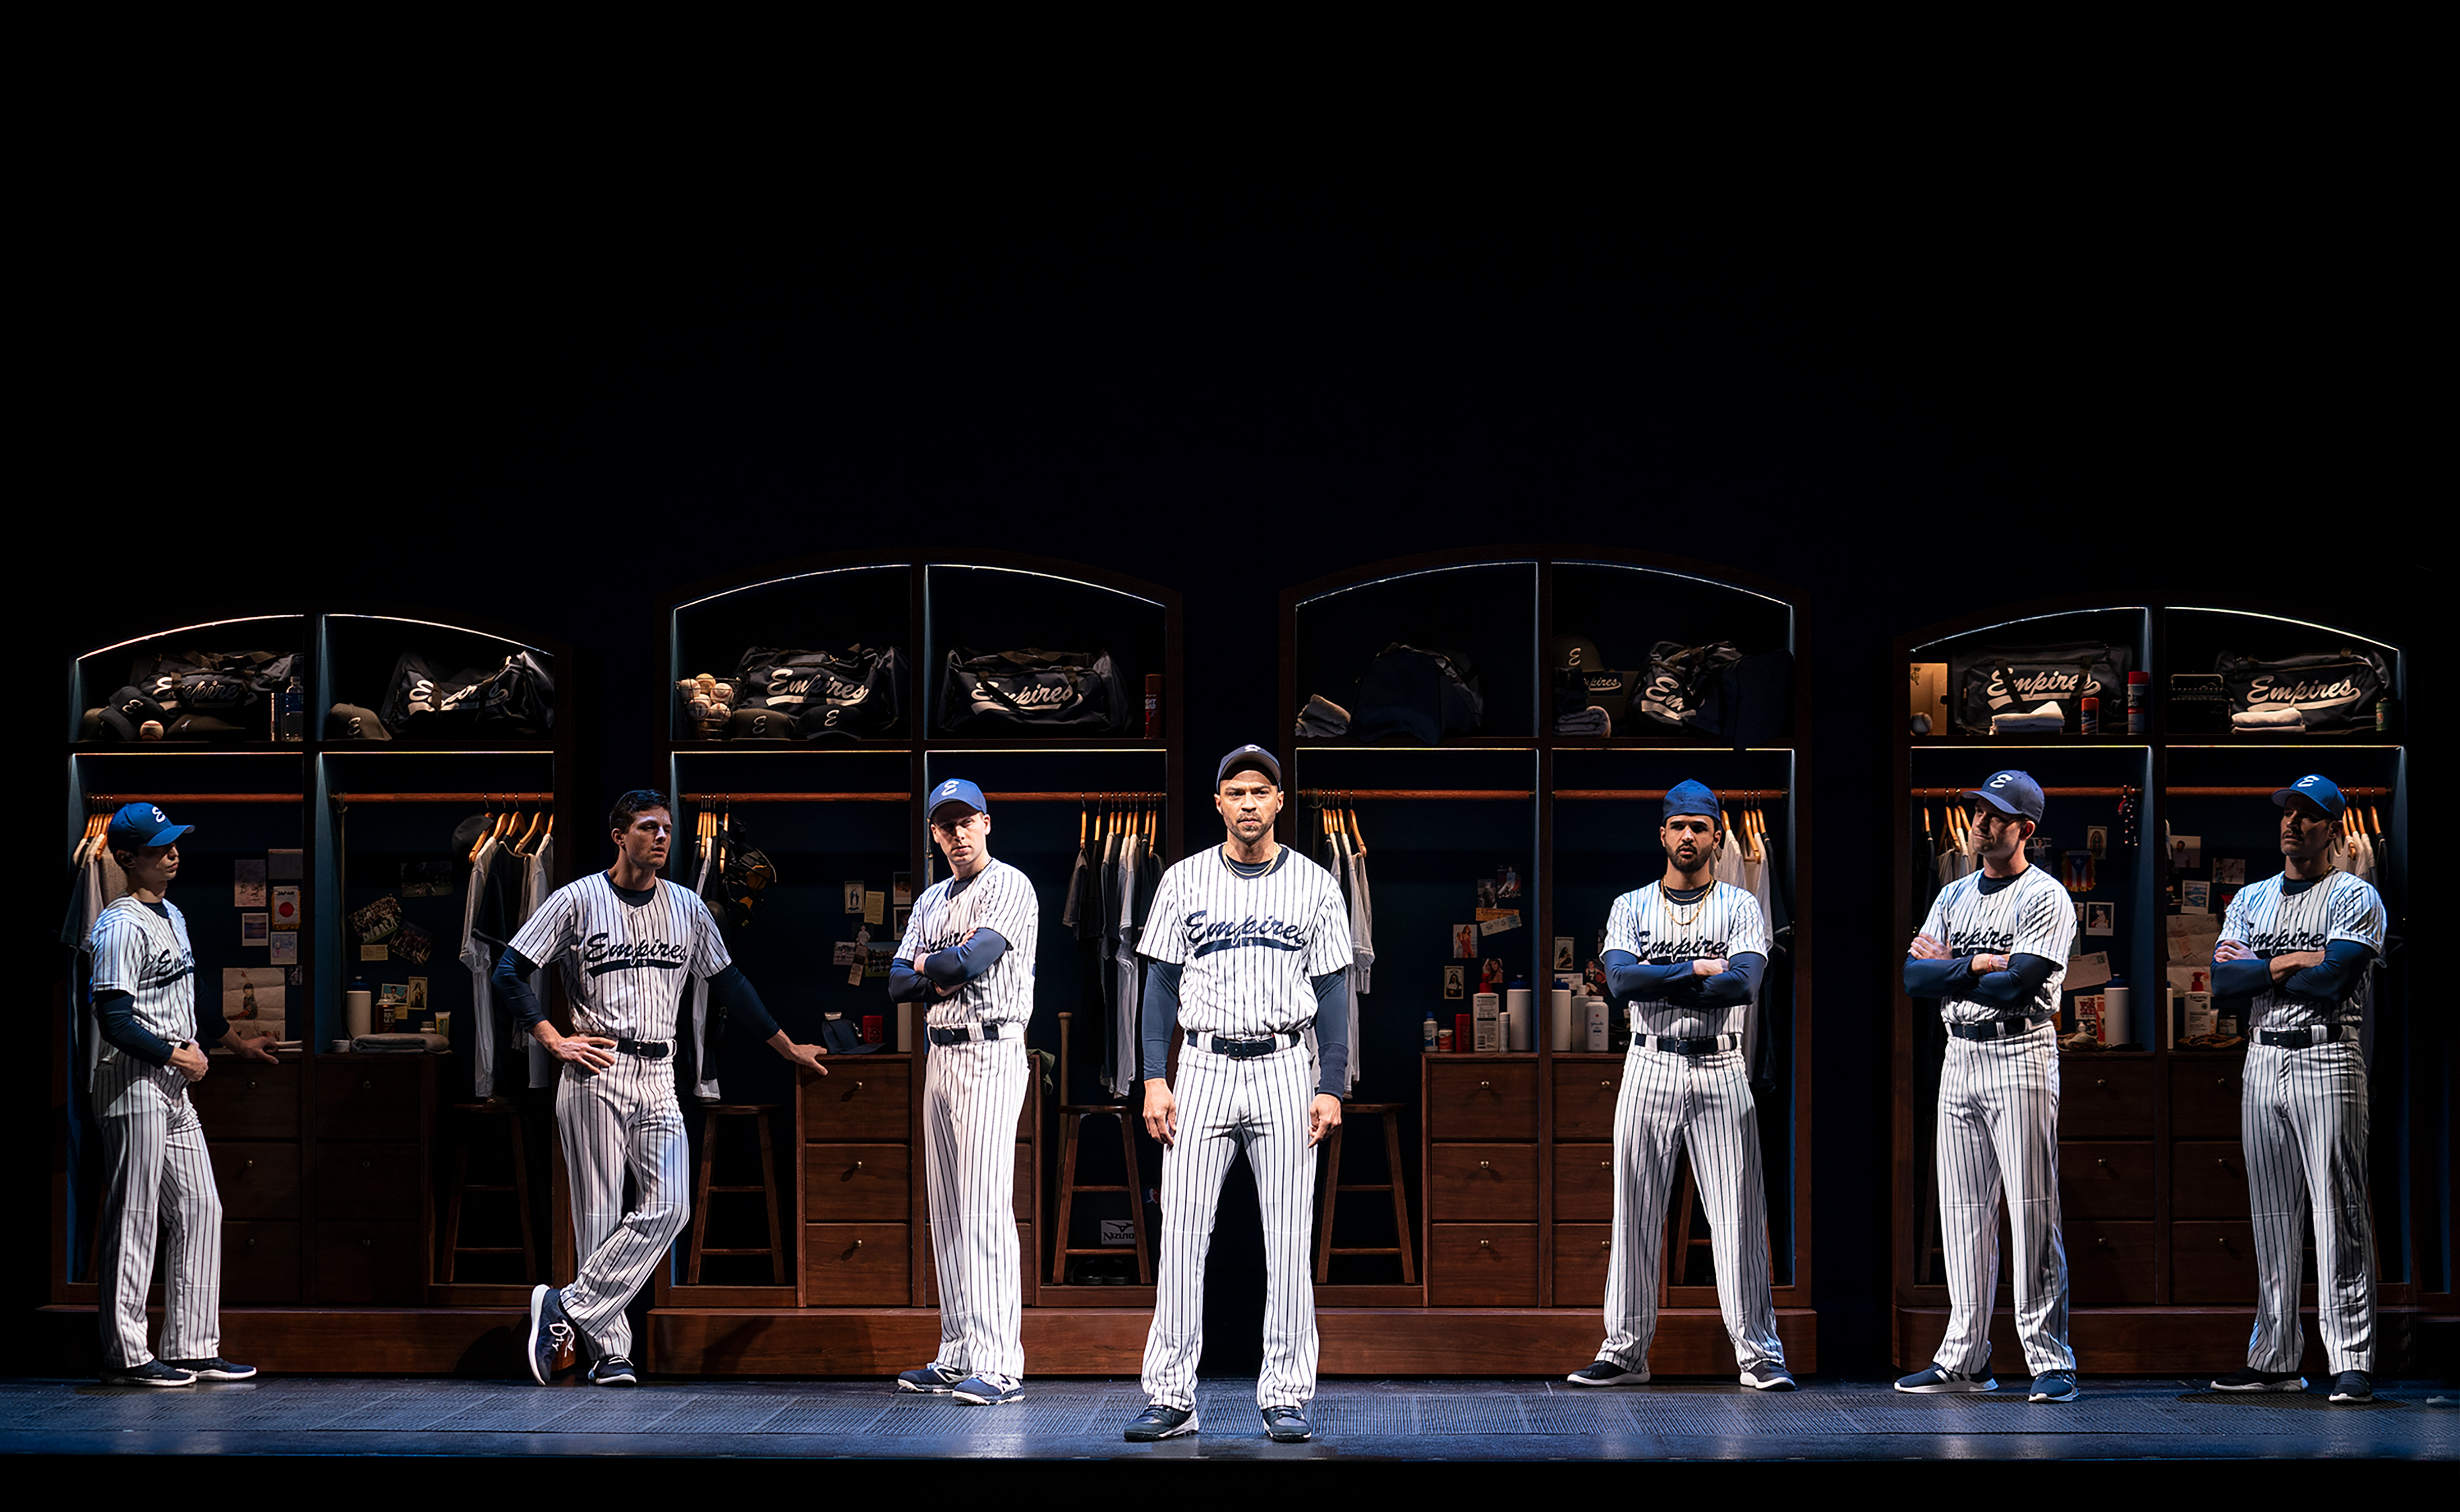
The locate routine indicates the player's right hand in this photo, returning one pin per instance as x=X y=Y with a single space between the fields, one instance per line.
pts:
x=593 y=1052
x=189 y=1061
x=2231 y=950
x=1926 y=948
x=1161 y=1111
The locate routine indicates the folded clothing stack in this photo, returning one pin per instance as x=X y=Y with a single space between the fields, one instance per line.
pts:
x=400 y=1044
x=2047 y=719
x=1322 y=720
x=2270 y=716
x=1590 y=721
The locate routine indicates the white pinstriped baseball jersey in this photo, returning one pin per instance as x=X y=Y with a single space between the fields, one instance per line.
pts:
x=2032 y=915
x=1656 y=929
x=146 y=955
x=1249 y=944
x=1000 y=899
x=2269 y=921
x=625 y=966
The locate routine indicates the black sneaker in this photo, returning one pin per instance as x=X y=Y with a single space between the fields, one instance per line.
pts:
x=1286 y=1425
x=2054 y=1386
x=153 y=1372
x=2252 y=1379
x=1769 y=1376
x=550 y=1332
x=216 y=1368
x=614 y=1370
x=935 y=1377
x=1607 y=1373
x=1940 y=1378
x=1157 y=1422
x=985 y=1391
x=2352 y=1385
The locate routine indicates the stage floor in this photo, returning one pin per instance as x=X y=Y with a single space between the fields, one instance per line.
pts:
x=1069 y=1420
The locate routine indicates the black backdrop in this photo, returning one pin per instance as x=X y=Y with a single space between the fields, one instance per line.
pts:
x=553 y=442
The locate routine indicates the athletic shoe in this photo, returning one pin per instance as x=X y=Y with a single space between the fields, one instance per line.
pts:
x=2054 y=1386
x=2352 y=1385
x=550 y=1332
x=1286 y=1425
x=983 y=1391
x=1607 y=1373
x=153 y=1372
x=216 y=1368
x=1940 y=1378
x=935 y=1378
x=1767 y=1376
x=1157 y=1422
x=614 y=1370
x=2252 y=1379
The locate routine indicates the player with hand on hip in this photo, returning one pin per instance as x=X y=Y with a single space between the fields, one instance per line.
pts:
x=627 y=942
x=156 y=1173
x=968 y=955
x=2300 y=944
x=1993 y=952
x=1247 y=945
x=1683 y=956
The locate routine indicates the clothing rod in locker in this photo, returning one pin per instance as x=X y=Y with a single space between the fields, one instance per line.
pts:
x=103 y=800
x=1354 y=795
x=706 y=799
x=2047 y=792
x=2263 y=792
x=443 y=797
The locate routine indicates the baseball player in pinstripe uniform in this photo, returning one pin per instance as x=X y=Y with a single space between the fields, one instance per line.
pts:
x=2300 y=944
x=627 y=942
x=968 y=954
x=1247 y=945
x=1993 y=952
x=1685 y=954
x=157 y=1175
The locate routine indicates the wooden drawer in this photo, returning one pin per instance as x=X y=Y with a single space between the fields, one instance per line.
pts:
x=2208 y=1180
x=2105 y=1098
x=853 y=1184
x=1024 y=1258
x=2212 y=1263
x=855 y=1265
x=860 y=1102
x=2105 y=1179
x=2109 y=1264
x=1584 y=1098
x=368 y=1097
x=1583 y=1184
x=2204 y=1097
x=369 y=1182
x=1020 y=1182
x=1482 y=1264
x=260 y=1263
x=1482 y=1100
x=381 y=1265
x=1582 y=1251
x=247 y=1099
x=257 y=1180
x=1483 y=1183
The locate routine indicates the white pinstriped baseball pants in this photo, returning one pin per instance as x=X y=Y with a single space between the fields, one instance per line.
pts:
x=624 y=1118
x=1703 y=1102
x=2303 y=1120
x=1999 y=1126
x=1225 y=1105
x=157 y=1178
x=972 y=1094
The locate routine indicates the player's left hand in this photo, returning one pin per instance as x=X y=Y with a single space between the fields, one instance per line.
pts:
x=1926 y=948
x=1708 y=966
x=805 y=1057
x=1323 y=1117
x=2289 y=963
x=253 y=1050
x=2231 y=950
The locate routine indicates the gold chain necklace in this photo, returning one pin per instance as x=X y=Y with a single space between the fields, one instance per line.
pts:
x=1697 y=904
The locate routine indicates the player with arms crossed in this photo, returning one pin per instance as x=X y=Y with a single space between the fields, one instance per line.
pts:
x=1247 y=945
x=627 y=940
x=157 y=1174
x=1684 y=955
x=968 y=954
x=1993 y=952
x=2299 y=944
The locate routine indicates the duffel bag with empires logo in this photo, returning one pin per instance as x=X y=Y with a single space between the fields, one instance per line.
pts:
x=1057 y=693
x=858 y=693
x=2021 y=679
x=2330 y=689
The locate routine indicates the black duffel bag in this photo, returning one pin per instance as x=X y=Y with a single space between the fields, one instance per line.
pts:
x=1057 y=693
x=2333 y=690
x=858 y=693
x=423 y=701
x=1425 y=692
x=2021 y=679
x=1683 y=684
x=234 y=687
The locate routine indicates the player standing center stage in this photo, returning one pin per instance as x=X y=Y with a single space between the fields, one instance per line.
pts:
x=627 y=940
x=968 y=954
x=1247 y=944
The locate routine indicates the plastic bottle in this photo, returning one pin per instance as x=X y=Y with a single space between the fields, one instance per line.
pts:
x=1426 y=1034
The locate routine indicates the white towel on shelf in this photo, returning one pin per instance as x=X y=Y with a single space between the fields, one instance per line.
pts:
x=2280 y=717
x=2047 y=717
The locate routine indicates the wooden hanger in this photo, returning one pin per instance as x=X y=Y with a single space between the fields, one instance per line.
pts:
x=529 y=838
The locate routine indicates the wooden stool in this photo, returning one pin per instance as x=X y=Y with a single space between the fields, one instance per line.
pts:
x=1692 y=1214
x=1071 y=1123
x=1334 y=1187
x=696 y=1248
x=453 y=1248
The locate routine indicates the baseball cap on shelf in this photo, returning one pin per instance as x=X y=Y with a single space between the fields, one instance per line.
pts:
x=957 y=790
x=1691 y=798
x=2012 y=793
x=1248 y=759
x=1573 y=654
x=138 y=825
x=2320 y=791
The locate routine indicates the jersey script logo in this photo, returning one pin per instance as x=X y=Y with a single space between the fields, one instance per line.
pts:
x=1207 y=934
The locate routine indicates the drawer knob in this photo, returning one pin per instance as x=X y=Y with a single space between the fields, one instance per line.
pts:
x=366 y=1086
x=2100 y=1161
x=1485 y=1244
x=1605 y=1244
x=1605 y=1083
x=858 y=1244
x=1483 y=1085
x=1606 y=1165
x=251 y=1243
x=367 y=1243
x=858 y=1086
x=1483 y=1165
x=251 y=1165
x=858 y=1165
x=2222 y=1162
x=2102 y=1242
x=2220 y=1081
x=2223 y=1243
x=2101 y=1081
x=251 y=1086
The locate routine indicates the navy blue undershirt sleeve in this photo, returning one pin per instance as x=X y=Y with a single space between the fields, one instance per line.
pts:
x=962 y=962
x=1936 y=978
x=734 y=990
x=907 y=985
x=1736 y=982
x=1160 y=1016
x=2242 y=977
x=2330 y=982
x=1331 y=1033
x=1628 y=977
x=512 y=983
x=2016 y=985
x=116 y=1012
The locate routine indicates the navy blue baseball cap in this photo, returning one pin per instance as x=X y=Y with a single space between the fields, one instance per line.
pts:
x=957 y=790
x=1248 y=759
x=1691 y=798
x=2320 y=791
x=2012 y=793
x=138 y=825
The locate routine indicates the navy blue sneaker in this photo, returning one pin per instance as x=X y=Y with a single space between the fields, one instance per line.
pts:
x=935 y=1377
x=216 y=1368
x=985 y=1391
x=1286 y=1425
x=1940 y=1378
x=2252 y=1379
x=1158 y=1422
x=153 y=1372
x=614 y=1370
x=2054 y=1386
x=550 y=1332
x=2352 y=1385
x=1607 y=1373
x=1769 y=1376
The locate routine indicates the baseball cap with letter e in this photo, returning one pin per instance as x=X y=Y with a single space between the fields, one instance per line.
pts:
x=2320 y=791
x=137 y=826
x=1248 y=759
x=2012 y=793
x=957 y=790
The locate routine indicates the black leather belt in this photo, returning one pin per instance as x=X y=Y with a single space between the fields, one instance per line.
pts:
x=1714 y=1044
x=2301 y=1038
x=645 y=1048
x=1241 y=1049
x=964 y=1034
x=1995 y=1028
